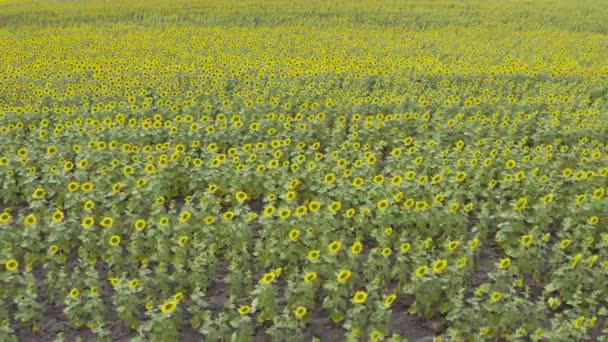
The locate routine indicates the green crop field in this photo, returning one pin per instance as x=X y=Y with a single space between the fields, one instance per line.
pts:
x=274 y=170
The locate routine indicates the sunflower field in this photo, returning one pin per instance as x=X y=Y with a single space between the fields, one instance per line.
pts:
x=271 y=170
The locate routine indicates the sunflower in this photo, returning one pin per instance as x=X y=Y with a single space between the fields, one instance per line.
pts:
x=521 y=204
x=463 y=262
x=422 y=205
x=461 y=177
x=11 y=265
x=593 y=260
x=398 y=197
x=405 y=247
x=294 y=234
x=342 y=163
x=151 y=168
x=344 y=276
x=396 y=180
x=581 y=175
x=422 y=180
x=53 y=249
x=241 y=196
x=548 y=199
x=437 y=179
x=577 y=259
x=480 y=291
x=356 y=248
x=314 y=206
x=168 y=307
x=335 y=206
x=88 y=222
x=378 y=179
x=504 y=263
x=74 y=293
x=269 y=210
x=421 y=271
x=134 y=284
x=598 y=193
x=114 y=240
x=229 y=215
x=409 y=203
x=580 y=199
x=31 y=220
x=140 y=225
x=349 y=213
x=388 y=300
x=360 y=297
x=118 y=187
x=39 y=193
x=290 y=196
x=334 y=247
x=89 y=205
x=183 y=240
x=495 y=297
x=300 y=312
x=386 y=252
x=58 y=216
x=87 y=187
x=388 y=231
x=178 y=297
x=453 y=245
x=301 y=211
x=329 y=178
x=527 y=240
x=376 y=336
x=565 y=243
x=244 y=310
x=310 y=277
x=284 y=213
x=579 y=323
x=107 y=222
x=68 y=166
x=593 y=220
x=185 y=216
x=22 y=152
x=5 y=217
x=268 y=278
x=251 y=217
x=73 y=186
x=314 y=255
x=382 y=204
x=440 y=265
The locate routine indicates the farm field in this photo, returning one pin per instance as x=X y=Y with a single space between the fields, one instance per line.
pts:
x=303 y=170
